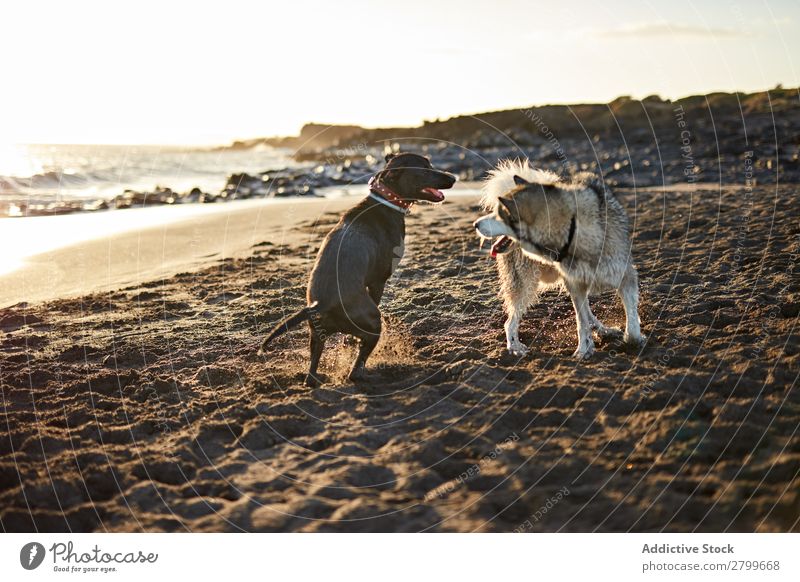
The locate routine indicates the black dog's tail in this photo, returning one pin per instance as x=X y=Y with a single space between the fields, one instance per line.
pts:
x=288 y=323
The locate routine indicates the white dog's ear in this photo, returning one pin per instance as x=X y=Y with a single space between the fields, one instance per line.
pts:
x=520 y=181
x=507 y=204
x=592 y=181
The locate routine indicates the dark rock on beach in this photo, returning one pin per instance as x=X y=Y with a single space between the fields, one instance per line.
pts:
x=133 y=198
x=717 y=138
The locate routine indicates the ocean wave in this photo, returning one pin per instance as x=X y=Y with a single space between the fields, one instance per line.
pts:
x=106 y=171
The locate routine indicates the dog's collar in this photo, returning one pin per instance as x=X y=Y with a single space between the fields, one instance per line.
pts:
x=553 y=255
x=385 y=195
x=385 y=202
x=562 y=253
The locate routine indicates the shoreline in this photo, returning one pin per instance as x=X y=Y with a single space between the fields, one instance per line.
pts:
x=154 y=247
x=83 y=253
x=65 y=256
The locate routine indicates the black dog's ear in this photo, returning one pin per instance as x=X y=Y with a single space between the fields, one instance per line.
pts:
x=386 y=176
x=520 y=181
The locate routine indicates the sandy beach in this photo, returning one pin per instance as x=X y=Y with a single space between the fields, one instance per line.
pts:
x=133 y=398
x=68 y=256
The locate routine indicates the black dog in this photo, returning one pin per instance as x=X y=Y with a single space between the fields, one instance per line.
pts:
x=358 y=256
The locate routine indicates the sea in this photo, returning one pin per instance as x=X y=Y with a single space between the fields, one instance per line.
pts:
x=44 y=174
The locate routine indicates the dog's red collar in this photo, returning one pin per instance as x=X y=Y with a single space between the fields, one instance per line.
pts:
x=380 y=189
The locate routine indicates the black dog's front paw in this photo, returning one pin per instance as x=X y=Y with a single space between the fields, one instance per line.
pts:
x=356 y=374
x=312 y=381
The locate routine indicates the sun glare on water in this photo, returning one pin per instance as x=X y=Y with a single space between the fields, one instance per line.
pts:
x=16 y=160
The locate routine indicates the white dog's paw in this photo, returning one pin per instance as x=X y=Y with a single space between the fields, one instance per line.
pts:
x=517 y=348
x=635 y=340
x=584 y=352
x=608 y=332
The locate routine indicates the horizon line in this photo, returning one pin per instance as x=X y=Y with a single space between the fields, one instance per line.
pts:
x=423 y=121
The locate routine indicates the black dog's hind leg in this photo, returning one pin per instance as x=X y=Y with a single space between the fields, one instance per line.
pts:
x=365 y=324
x=375 y=291
x=317 y=345
x=367 y=343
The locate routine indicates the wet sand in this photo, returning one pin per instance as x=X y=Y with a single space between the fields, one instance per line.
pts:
x=146 y=408
x=52 y=257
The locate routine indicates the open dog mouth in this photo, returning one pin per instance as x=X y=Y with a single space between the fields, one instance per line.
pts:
x=436 y=195
x=501 y=245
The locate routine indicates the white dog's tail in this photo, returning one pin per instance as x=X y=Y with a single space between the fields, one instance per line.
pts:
x=501 y=180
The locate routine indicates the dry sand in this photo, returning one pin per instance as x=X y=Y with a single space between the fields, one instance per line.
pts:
x=147 y=408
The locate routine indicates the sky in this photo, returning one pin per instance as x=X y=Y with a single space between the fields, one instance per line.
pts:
x=208 y=73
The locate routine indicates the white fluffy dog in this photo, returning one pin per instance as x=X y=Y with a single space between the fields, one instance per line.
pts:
x=555 y=232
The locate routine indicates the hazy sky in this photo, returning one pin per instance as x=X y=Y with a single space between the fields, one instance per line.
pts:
x=166 y=72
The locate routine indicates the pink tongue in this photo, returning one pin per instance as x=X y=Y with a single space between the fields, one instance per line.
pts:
x=499 y=245
x=435 y=193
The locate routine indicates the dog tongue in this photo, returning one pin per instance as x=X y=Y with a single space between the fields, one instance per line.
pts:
x=500 y=246
x=435 y=193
